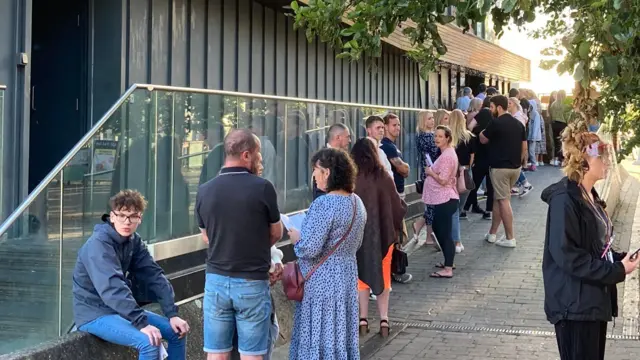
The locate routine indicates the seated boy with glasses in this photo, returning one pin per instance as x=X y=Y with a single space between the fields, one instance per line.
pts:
x=103 y=303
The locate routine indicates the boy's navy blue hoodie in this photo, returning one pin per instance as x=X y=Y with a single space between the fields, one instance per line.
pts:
x=100 y=285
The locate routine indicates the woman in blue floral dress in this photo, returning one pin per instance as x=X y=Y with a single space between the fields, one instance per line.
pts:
x=426 y=145
x=326 y=321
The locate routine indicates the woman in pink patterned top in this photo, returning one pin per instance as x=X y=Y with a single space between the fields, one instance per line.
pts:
x=440 y=190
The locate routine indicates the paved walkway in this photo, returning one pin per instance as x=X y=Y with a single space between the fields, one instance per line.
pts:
x=493 y=307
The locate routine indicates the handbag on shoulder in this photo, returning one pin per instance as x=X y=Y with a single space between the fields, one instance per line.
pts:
x=292 y=278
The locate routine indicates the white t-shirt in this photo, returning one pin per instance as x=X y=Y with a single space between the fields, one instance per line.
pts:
x=383 y=157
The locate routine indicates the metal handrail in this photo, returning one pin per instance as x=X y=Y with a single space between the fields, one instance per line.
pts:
x=194 y=154
x=269 y=97
x=65 y=160
x=89 y=135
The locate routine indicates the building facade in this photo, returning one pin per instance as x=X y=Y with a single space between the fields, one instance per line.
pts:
x=63 y=67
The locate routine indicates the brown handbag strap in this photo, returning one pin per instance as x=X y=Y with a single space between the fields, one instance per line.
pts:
x=335 y=247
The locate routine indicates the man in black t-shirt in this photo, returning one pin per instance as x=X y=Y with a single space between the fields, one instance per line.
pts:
x=480 y=169
x=507 y=141
x=239 y=258
x=399 y=168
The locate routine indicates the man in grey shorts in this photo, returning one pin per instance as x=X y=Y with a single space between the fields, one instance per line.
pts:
x=507 y=141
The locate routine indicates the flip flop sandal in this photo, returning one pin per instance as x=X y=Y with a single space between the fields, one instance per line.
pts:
x=441 y=266
x=440 y=276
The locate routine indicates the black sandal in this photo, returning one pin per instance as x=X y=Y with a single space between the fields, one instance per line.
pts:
x=441 y=266
x=364 y=328
x=384 y=330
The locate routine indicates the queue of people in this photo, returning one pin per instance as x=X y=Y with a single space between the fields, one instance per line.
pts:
x=353 y=241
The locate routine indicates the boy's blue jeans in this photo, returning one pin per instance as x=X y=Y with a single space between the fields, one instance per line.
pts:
x=115 y=329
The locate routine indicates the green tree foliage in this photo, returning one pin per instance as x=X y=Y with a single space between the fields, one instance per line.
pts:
x=597 y=41
x=373 y=20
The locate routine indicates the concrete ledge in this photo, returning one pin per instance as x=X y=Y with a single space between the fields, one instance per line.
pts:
x=81 y=346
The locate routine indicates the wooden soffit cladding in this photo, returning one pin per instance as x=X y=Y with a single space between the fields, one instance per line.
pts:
x=469 y=51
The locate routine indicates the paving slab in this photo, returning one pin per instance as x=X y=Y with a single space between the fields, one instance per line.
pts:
x=493 y=307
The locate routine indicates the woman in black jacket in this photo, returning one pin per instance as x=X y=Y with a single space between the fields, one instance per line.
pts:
x=580 y=269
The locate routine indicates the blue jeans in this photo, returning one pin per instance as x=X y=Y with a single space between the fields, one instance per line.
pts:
x=455 y=219
x=522 y=179
x=115 y=329
x=234 y=304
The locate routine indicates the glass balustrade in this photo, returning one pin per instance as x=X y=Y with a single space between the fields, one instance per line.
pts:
x=164 y=144
x=2 y=149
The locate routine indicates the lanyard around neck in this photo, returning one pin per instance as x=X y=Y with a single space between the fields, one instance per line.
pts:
x=600 y=213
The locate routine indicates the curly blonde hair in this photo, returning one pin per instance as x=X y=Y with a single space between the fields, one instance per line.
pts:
x=575 y=139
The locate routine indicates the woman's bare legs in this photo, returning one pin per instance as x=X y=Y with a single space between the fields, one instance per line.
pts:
x=430 y=239
x=383 y=304
x=363 y=300
x=418 y=225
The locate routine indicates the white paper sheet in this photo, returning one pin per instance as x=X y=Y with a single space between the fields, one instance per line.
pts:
x=163 y=353
x=293 y=221
x=429 y=161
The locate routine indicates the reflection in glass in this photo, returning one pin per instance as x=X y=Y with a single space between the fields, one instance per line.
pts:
x=163 y=144
x=30 y=285
x=2 y=91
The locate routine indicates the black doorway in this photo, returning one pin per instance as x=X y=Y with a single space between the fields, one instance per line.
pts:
x=474 y=82
x=58 y=83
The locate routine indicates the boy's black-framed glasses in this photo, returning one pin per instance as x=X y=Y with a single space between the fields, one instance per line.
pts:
x=122 y=218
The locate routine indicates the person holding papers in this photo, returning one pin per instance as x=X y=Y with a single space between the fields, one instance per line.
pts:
x=428 y=152
x=325 y=324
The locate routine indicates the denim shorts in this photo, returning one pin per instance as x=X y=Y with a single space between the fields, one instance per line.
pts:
x=233 y=304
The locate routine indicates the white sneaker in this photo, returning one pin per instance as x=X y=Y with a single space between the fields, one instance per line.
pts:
x=490 y=238
x=459 y=248
x=506 y=243
x=525 y=190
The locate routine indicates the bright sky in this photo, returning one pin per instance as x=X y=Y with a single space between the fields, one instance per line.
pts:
x=542 y=81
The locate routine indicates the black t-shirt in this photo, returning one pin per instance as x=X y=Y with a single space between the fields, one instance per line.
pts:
x=391 y=150
x=505 y=135
x=464 y=151
x=483 y=119
x=237 y=209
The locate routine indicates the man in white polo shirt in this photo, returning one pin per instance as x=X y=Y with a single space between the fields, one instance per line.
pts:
x=375 y=133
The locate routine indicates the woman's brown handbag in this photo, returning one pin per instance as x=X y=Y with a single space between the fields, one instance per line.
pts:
x=292 y=279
